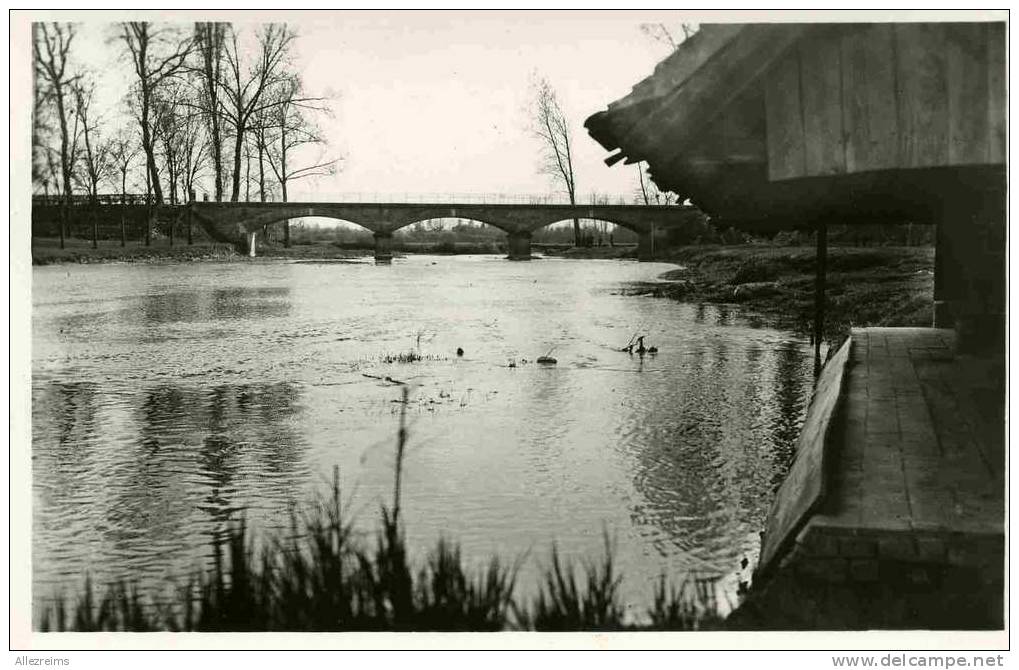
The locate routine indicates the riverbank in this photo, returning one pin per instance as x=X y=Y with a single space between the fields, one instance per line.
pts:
x=48 y=252
x=865 y=286
x=619 y=251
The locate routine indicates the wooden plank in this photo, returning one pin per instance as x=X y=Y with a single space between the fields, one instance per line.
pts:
x=682 y=63
x=784 y=115
x=680 y=118
x=997 y=106
x=744 y=129
x=726 y=140
x=805 y=486
x=868 y=98
x=820 y=66
x=922 y=94
x=968 y=116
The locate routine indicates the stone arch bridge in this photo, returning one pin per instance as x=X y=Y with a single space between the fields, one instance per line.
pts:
x=242 y=221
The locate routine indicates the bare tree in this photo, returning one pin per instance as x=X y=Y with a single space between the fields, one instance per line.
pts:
x=179 y=124
x=246 y=86
x=167 y=118
x=292 y=130
x=95 y=163
x=662 y=34
x=123 y=151
x=193 y=147
x=209 y=43
x=51 y=46
x=262 y=137
x=649 y=192
x=157 y=54
x=550 y=125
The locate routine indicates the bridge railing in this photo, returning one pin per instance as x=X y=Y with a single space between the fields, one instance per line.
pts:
x=465 y=198
x=78 y=199
x=379 y=198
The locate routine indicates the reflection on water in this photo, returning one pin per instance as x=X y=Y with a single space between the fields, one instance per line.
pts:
x=179 y=398
x=128 y=481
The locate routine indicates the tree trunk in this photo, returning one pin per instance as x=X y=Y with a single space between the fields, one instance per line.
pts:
x=95 y=225
x=217 y=151
x=148 y=210
x=212 y=34
x=261 y=172
x=150 y=153
x=65 y=167
x=235 y=192
x=123 y=209
x=286 y=222
x=576 y=222
x=171 y=170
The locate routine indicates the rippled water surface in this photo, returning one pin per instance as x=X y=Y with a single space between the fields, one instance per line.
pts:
x=169 y=399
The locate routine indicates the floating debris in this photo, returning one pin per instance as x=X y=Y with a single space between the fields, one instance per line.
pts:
x=405 y=357
x=385 y=379
x=547 y=358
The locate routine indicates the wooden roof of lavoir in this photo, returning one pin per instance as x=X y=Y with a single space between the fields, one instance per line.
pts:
x=779 y=122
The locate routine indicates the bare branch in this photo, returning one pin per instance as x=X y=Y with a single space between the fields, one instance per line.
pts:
x=551 y=127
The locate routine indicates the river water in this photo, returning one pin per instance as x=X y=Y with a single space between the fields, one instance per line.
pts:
x=169 y=399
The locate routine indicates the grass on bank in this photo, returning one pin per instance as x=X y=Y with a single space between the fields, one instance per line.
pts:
x=865 y=286
x=46 y=251
x=325 y=577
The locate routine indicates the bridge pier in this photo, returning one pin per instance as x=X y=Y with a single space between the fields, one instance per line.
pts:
x=646 y=246
x=383 y=247
x=251 y=245
x=519 y=246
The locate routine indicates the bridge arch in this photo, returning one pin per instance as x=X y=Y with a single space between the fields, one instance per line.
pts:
x=273 y=218
x=489 y=223
x=598 y=219
x=351 y=224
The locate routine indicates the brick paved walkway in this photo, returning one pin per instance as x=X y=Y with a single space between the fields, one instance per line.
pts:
x=921 y=449
x=910 y=530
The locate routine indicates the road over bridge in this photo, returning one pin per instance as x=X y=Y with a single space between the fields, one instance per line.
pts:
x=237 y=221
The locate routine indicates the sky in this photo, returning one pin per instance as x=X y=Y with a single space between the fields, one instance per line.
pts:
x=439 y=102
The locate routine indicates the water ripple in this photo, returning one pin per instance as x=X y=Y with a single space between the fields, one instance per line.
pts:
x=186 y=397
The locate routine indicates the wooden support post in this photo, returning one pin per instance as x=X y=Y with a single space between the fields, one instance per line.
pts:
x=821 y=267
